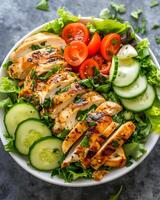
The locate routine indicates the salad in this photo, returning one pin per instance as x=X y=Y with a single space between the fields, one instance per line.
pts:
x=81 y=97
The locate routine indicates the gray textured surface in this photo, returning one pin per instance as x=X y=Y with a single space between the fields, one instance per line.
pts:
x=18 y=17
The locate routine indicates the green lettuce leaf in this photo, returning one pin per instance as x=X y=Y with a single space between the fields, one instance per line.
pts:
x=9 y=147
x=57 y=25
x=73 y=172
x=148 y=67
x=8 y=86
x=154 y=115
x=134 y=150
x=4 y=103
x=110 y=26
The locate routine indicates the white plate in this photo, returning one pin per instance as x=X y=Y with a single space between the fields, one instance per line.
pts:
x=80 y=183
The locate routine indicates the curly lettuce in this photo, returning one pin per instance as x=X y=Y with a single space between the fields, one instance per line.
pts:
x=154 y=115
x=8 y=86
x=57 y=25
x=147 y=65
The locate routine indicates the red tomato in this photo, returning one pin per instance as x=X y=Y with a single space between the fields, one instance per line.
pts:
x=94 y=44
x=110 y=45
x=105 y=68
x=75 y=53
x=87 y=68
x=99 y=59
x=75 y=31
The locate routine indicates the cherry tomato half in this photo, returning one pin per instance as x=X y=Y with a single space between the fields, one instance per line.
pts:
x=105 y=68
x=94 y=44
x=110 y=45
x=87 y=68
x=75 y=31
x=99 y=59
x=75 y=53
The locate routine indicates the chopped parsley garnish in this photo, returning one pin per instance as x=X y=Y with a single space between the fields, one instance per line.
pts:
x=156 y=26
x=61 y=90
x=154 y=3
x=82 y=114
x=85 y=141
x=91 y=123
x=120 y=8
x=78 y=99
x=157 y=39
x=115 y=144
x=105 y=14
x=136 y=14
x=43 y=5
x=33 y=74
x=116 y=196
x=48 y=120
x=47 y=103
x=35 y=47
x=49 y=73
x=142 y=28
x=63 y=134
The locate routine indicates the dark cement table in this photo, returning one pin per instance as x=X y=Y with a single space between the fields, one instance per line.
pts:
x=18 y=17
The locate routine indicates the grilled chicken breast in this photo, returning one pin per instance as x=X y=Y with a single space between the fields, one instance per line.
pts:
x=55 y=83
x=117 y=159
x=24 y=58
x=116 y=140
x=101 y=127
x=63 y=99
x=74 y=135
x=110 y=108
x=46 y=77
x=67 y=118
x=39 y=39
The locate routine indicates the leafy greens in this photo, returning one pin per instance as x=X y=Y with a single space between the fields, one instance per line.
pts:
x=43 y=5
x=147 y=65
x=57 y=25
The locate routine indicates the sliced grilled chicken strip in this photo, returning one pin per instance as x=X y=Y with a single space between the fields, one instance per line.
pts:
x=73 y=136
x=81 y=150
x=117 y=159
x=46 y=89
x=96 y=140
x=110 y=146
x=40 y=39
x=54 y=83
x=67 y=118
x=43 y=60
x=110 y=108
x=63 y=99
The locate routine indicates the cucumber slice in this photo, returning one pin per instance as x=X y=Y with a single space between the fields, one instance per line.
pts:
x=114 y=68
x=133 y=90
x=46 y=153
x=18 y=113
x=127 y=51
x=141 y=102
x=128 y=71
x=28 y=132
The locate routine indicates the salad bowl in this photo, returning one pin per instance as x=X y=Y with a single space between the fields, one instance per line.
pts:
x=21 y=161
